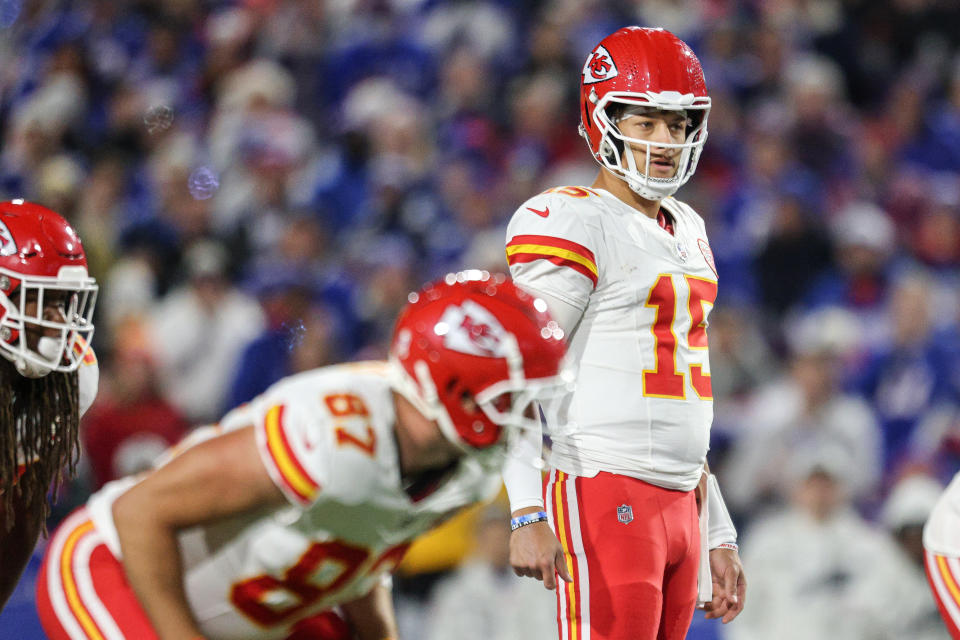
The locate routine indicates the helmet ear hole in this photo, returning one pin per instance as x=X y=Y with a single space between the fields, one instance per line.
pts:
x=451 y=385
x=694 y=120
x=607 y=151
x=468 y=402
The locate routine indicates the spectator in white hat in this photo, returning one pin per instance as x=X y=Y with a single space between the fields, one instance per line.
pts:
x=896 y=603
x=809 y=559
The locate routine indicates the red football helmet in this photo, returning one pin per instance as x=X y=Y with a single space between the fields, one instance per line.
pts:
x=647 y=68
x=46 y=296
x=472 y=351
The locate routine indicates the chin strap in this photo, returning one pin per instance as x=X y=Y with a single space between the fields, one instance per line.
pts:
x=49 y=348
x=641 y=183
x=30 y=369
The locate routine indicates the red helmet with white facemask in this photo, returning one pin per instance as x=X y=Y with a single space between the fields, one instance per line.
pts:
x=472 y=352
x=46 y=295
x=632 y=69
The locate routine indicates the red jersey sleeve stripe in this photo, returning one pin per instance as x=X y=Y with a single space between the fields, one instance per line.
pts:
x=295 y=478
x=80 y=346
x=558 y=243
x=527 y=248
x=517 y=258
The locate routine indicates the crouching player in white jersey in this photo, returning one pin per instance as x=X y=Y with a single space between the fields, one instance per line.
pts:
x=941 y=550
x=308 y=496
x=48 y=373
x=627 y=272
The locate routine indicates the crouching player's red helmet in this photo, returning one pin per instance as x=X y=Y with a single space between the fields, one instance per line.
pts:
x=472 y=351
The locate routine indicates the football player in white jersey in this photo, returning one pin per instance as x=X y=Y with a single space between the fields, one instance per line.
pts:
x=48 y=374
x=307 y=497
x=627 y=272
x=941 y=551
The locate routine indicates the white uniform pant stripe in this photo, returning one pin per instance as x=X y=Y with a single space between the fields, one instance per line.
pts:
x=58 y=598
x=561 y=600
x=944 y=595
x=576 y=542
x=88 y=595
x=80 y=569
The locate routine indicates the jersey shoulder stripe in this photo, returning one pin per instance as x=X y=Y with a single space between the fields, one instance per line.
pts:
x=572 y=191
x=80 y=347
x=293 y=476
x=527 y=248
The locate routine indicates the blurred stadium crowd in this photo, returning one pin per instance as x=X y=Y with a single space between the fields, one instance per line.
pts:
x=259 y=184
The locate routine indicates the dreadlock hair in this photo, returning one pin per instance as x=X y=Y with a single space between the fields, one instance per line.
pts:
x=39 y=424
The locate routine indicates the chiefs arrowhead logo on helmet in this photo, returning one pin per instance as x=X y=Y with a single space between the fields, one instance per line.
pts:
x=599 y=66
x=472 y=329
x=7 y=245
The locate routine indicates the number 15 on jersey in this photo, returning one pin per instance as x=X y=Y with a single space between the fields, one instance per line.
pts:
x=666 y=380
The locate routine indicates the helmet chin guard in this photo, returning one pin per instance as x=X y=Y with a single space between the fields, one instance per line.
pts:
x=48 y=349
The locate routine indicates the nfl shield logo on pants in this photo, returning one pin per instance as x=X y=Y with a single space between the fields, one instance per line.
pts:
x=625 y=513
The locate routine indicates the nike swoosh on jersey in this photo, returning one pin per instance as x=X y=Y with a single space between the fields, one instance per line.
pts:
x=542 y=214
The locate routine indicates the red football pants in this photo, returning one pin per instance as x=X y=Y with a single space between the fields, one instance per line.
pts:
x=633 y=550
x=943 y=574
x=83 y=593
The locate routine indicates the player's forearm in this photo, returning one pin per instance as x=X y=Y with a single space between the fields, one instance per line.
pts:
x=522 y=473
x=524 y=486
x=721 y=530
x=152 y=562
x=521 y=476
x=372 y=616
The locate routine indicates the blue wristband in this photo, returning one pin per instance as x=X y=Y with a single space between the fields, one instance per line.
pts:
x=524 y=520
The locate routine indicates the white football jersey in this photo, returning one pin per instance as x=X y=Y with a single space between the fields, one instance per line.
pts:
x=941 y=533
x=88 y=380
x=326 y=438
x=642 y=405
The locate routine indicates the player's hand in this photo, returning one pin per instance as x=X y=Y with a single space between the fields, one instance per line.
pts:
x=535 y=552
x=729 y=585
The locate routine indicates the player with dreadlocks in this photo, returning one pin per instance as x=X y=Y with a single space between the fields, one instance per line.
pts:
x=48 y=372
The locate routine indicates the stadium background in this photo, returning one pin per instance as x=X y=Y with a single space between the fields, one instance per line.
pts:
x=259 y=184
